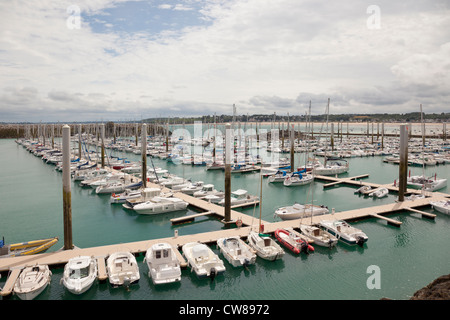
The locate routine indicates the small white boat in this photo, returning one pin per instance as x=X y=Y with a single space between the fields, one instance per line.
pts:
x=427 y=184
x=128 y=194
x=236 y=251
x=379 y=192
x=298 y=211
x=207 y=189
x=147 y=194
x=265 y=246
x=173 y=181
x=32 y=281
x=212 y=198
x=238 y=197
x=122 y=269
x=297 y=179
x=110 y=188
x=321 y=237
x=192 y=187
x=243 y=168
x=345 y=232
x=364 y=190
x=202 y=260
x=160 y=205
x=79 y=274
x=442 y=206
x=80 y=175
x=163 y=265
x=268 y=171
x=331 y=168
x=415 y=197
x=279 y=176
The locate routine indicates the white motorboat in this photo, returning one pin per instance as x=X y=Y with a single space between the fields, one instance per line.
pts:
x=265 y=246
x=110 y=188
x=330 y=168
x=321 y=237
x=102 y=180
x=379 y=192
x=297 y=179
x=344 y=232
x=236 y=251
x=173 y=181
x=32 y=281
x=80 y=175
x=279 y=176
x=79 y=274
x=207 y=189
x=243 y=168
x=163 y=265
x=238 y=197
x=117 y=187
x=298 y=211
x=146 y=195
x=268 y=171
x=160 y=205
x=202 y=260
x=122 y=269
x=442 y=206
x=192 y=187
x=427 y=184
x=213 y=198
x=128 y=194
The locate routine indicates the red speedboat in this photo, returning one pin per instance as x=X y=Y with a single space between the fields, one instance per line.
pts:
x=292 y=241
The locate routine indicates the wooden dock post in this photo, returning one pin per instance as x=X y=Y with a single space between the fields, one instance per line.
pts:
x=144 y=155
x=79 y=141
x=403 y=165
x=67 y=195
x=228 y=158
x=102 y=132
x=292 y=148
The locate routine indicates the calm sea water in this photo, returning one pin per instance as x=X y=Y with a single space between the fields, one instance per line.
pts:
x=409 y=257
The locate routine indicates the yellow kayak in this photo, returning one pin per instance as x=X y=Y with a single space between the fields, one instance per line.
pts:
x=27 y=248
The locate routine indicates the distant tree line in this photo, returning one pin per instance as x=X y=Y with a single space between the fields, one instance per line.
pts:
x=377 y=117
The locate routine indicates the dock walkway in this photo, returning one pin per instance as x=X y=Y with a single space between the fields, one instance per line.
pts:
x=61 y=257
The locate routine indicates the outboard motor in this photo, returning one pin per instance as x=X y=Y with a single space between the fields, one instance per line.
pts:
x=360 y=241
x=212 y=273
x=126 y=282
x=304 y=247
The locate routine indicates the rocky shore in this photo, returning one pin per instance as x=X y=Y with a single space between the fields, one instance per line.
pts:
x=439 y=289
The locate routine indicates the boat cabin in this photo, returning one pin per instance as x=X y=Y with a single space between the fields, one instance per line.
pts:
x=79 y=269
x=162 y=252
x=208 y=187
x=239 y=194
x=149 y=193
x=199 y=252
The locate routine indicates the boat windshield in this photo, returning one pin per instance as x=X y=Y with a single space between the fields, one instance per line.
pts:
x=161 y=253
x=79 y=273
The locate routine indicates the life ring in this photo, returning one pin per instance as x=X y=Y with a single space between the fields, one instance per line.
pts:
x=239 y=222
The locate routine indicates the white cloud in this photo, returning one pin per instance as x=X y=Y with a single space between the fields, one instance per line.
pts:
x=260 y=54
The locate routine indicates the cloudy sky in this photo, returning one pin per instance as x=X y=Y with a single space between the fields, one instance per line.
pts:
x=104 y=60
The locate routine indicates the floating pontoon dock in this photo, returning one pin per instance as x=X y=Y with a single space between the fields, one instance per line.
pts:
x=59 y=258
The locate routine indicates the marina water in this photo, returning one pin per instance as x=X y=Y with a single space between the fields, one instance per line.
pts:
x=408 y=258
